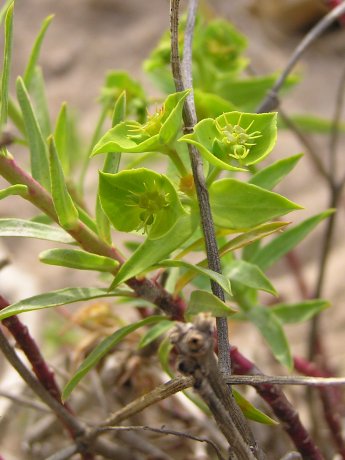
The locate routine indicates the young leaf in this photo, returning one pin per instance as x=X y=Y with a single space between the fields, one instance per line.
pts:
x=30 y=68
x=38 y=147
x=60 y=136
x=299 y=312
x=17 y=189
x=251 y=412
x=119 y=113
x=155 y=331
x=217 y=277
x=140 y=199
x=81 y=260
x=4 y=9
x=6 y=68
x=151 y=252
x=56 y=299
x=270 y=176
x=203 y=301
x=248 y=275
x=271 y=329
x=28 y=229
x=210 y=105
x=239 y=205
x=267 y=255
x=65 y=209
x=104 y=348
x=39 y=99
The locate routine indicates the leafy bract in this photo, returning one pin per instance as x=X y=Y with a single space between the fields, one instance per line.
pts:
x=150 y=252
x=56 y=299
x=239 y=205
x=298 y=312
x=104 y=348
x=270 y=176
x=160 y=130
x=140 y=199
x=267 y=255
x=235 y=139
x=28 y=229
x=203 y=301
x=81 y=260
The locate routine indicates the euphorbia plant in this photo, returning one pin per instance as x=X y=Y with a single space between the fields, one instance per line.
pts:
x=162 y=210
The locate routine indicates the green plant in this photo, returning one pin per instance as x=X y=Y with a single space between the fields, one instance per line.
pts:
x=197 y=210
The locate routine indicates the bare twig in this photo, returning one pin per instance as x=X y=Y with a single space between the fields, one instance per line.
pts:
x=164 y=431
x=271 y=101
x=334 y=138
x=24 y=401
x=198 y=174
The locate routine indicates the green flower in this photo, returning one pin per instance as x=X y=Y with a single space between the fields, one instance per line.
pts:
x=140 y=200
x=157 y=134
x=235 y=139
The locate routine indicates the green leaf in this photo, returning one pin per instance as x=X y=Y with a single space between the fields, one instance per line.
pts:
x=81 y=260
x=4 y=9
x=6 y=67
x=163 y=355
x=103 y=349
x=267 y=255
x=209 y=105
x=17 y=189
x=28 y=229
x=312 y=124
x=299 y=312
x=271 y=329
x=248 y=275
x=65 y=209
x=150 y=252
x=270 y=176
x=155 y=331
x=56 y=299
x=119 y=113
x=60 y=136
x=217 y=277
x=238 y=205
x=251 y=412
x=30 y=68
x=38 y=147
x=140 y=199
x=203 y=301
x=39 y=99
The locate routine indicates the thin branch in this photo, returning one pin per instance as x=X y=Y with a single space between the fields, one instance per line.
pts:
x=271 y=101
x=20 y=400
x=65 y=453
x=164 y=431
x=198 y=173
x=334 y=138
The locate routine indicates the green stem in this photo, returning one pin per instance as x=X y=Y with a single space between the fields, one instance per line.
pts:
x=175 y=158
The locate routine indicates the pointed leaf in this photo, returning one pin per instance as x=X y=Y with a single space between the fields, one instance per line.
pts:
x=267 y=255
x=38 y=147
x=299 y=312
x=239 y=205
x=103 y=349
x=270 y=176
x=60 y=136
x=217 y=277
x=28 y=229
x=65 y=209
x=17 y=189
x=155 y=331
x=250 y=411
x=204 y=301
x=6 y=67
x=81 y=260
x=249 y=275
x=119 y=113
x=56 y=299
x=40 y=103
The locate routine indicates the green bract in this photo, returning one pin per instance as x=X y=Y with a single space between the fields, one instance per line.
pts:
x=235 y=139
x=140 y=200
x=160 y=130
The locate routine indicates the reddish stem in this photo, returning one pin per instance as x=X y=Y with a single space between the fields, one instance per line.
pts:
x=281 y=407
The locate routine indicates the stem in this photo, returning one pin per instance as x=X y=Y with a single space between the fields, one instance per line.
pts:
x=175 y=158
x=271 y=101
x=189 y=118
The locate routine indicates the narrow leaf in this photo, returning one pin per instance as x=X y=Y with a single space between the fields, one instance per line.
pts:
x=267 y=255
x=251 y=412
x=203 y=301
x=299 y=312
x=65 y=209
x=17 y=189
x=249 y=275
x=217 y=277
x=155 y=331
x=102 y=349
x=56 y=299
x=6 y=65
x=60 y=136
x=119 y=113
x=30 y=68
x=29 y=229
x=39 y=100
x=4 y=9
x=38 y=147
x=81 y=260
x=270 y=176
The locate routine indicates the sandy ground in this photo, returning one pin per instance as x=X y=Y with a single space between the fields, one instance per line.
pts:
x=89 y=37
